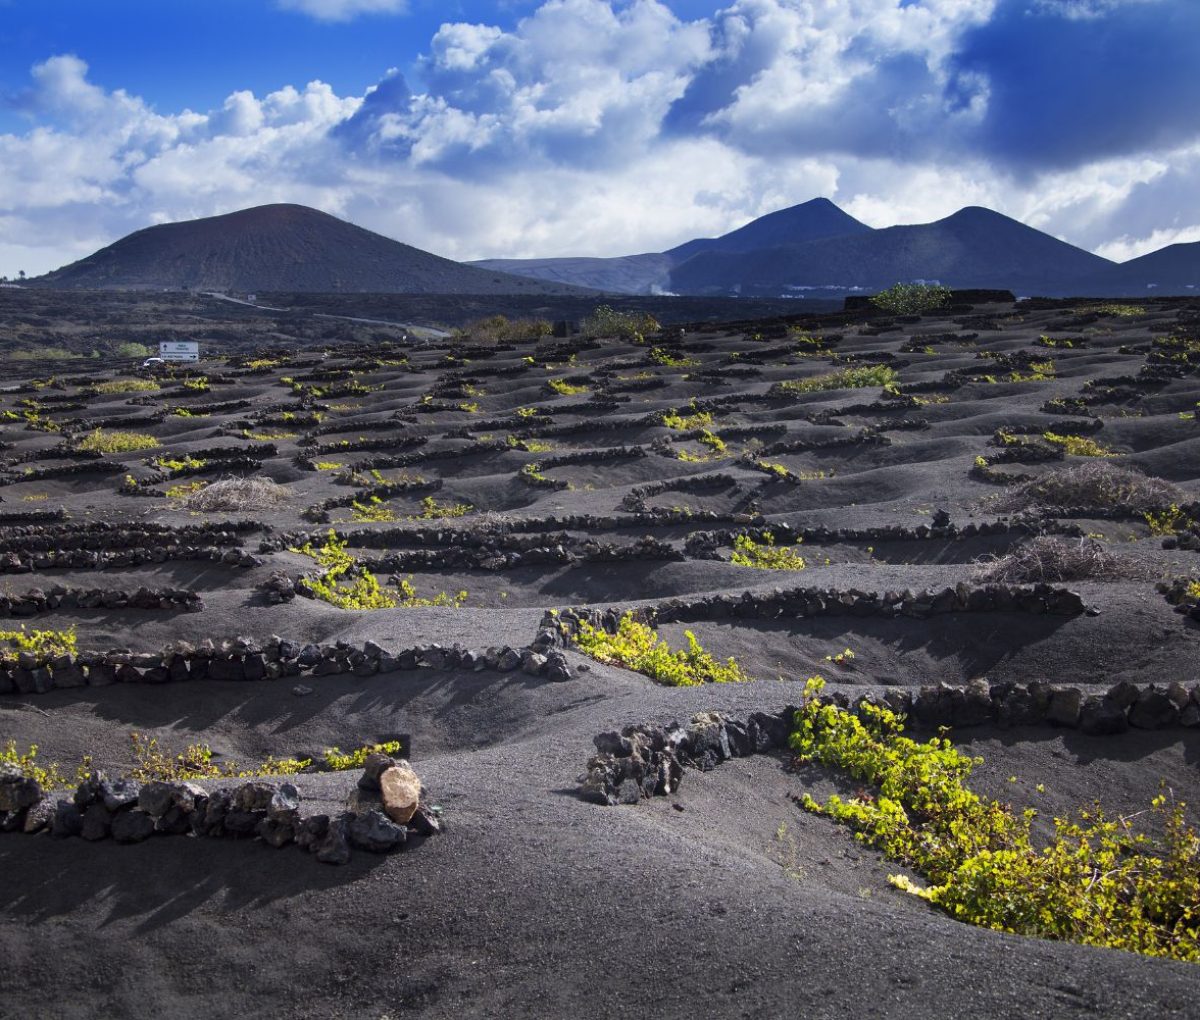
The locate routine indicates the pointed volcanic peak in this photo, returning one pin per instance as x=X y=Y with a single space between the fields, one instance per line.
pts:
x=798 y=224
x=974 y=247
x=280 y=248
x=651 y=273
x=1170 y=271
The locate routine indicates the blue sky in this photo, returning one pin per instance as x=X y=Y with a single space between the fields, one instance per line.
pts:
x=554 y=127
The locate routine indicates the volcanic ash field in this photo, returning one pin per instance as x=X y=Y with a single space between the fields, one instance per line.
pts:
x=984 y=518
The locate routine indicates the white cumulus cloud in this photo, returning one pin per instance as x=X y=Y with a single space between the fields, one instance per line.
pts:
x=589 y=127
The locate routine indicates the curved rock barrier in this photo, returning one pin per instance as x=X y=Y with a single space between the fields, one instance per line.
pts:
x=245 y=660
x=649 y=760
x=100 y=536
x=387 y=807
x=793 y=603
x=90 y=559
x=37 y=600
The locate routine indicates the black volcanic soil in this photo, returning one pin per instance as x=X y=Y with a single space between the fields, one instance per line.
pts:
x=724 y=900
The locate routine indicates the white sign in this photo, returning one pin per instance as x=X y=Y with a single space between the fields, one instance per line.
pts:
x=179 y=350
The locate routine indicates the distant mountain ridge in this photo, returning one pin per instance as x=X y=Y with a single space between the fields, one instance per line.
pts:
x=809 y=250
x=974 y=247
x=817 y=250
x=280 y=248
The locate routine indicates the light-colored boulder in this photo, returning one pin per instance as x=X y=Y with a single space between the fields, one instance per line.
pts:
x=401 y=793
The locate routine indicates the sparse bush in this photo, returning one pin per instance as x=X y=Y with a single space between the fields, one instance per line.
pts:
x=129 y=349
x=500 y=329
x=338 y=762
x=1095 y=485
x=1078 y=446
x=1169 y=521
x=765 y=555
x=238 y=494
x=49 y=777
x=1053 y=559
x=686 y=422
x=196 y=762
x=564 y=388
x=606 y=321
x=911 y=298
x=847 y=378
x=345 y=583
x=636 y=646
x=121 y=386
x=116 y=442
x=1120 y=311
x=184 y=490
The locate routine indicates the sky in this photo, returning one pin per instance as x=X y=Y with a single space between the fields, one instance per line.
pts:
x=524 y=128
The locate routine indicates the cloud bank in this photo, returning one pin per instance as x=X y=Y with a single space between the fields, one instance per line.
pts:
x=598 y=127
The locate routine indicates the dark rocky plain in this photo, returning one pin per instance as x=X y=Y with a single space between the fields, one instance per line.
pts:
x=722 y=899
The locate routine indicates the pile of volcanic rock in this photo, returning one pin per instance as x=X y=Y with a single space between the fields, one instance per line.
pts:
x=384 y=810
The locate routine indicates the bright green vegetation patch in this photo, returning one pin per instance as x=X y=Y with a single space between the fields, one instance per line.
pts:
x=101 y=441
x=196 y=762
x=45 y=644
x=1097 y=881
x=847 y=378
x=1121 y=311
x=270 y=435
x=765 y=555
x=339 y=762
x=122 y=386
x=686 y=422
x=184 y=463
x=1079 y=446
x=184 y=490
x=1170 y=521
x=150 y=763
x=49 y=777
x=564 y=388
x=636 y=646
x=344 y=583
x=911 y=298
x=662 y=356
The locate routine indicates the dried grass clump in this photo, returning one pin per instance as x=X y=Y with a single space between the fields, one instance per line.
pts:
x=1053 y=559
x=1096 y=485
x=238 y=494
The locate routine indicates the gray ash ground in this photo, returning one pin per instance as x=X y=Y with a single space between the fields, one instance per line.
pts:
x=536 y=903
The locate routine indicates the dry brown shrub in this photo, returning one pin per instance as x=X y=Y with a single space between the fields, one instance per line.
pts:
x=1053 y=559
x=238 y=495
x=1095 y=485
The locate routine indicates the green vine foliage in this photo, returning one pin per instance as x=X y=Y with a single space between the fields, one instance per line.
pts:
x=43 y=644
x=344 y=583
x=1097 y=881
x=636 y=646
x=765 y=555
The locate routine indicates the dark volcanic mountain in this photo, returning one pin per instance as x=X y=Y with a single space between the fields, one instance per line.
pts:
x=280 y=248
x=1171 y=270
x=643 y=274
x=798 y=224
x=973 y=248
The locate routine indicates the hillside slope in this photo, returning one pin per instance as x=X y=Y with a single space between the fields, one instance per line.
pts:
x=1171 y=270
x=279 y=248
